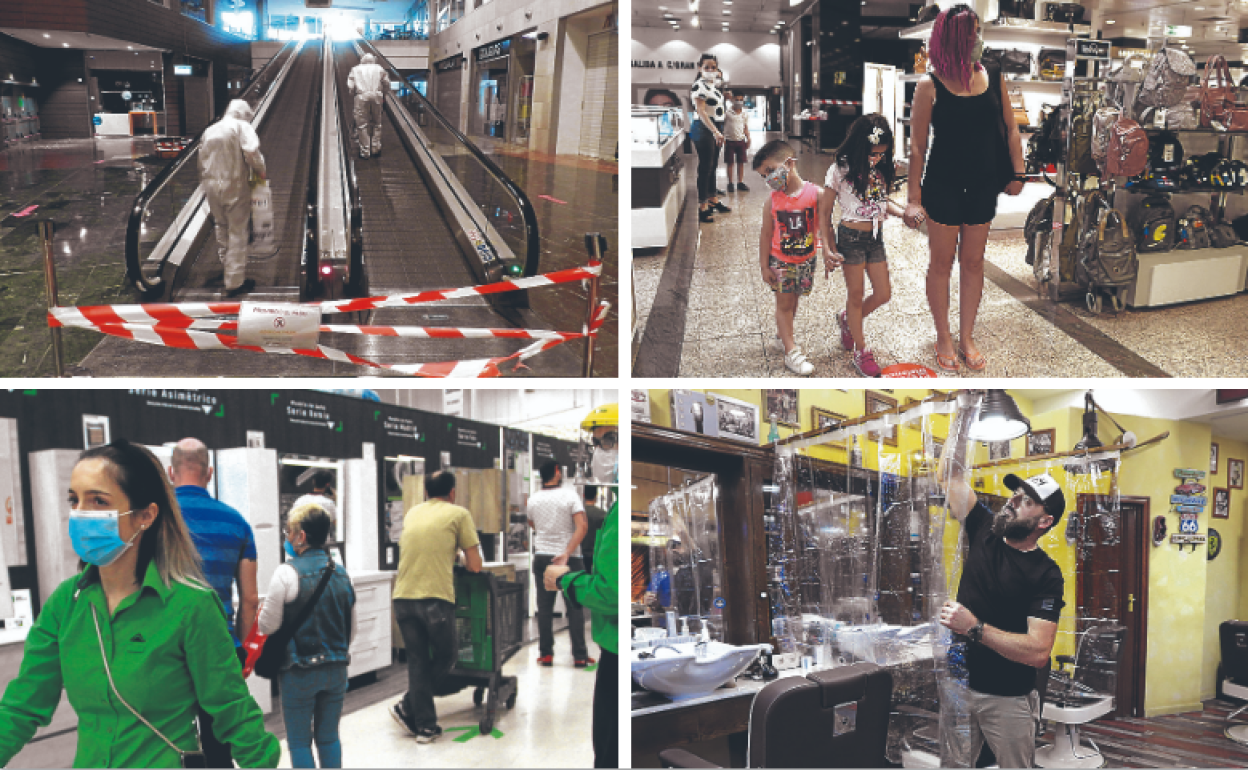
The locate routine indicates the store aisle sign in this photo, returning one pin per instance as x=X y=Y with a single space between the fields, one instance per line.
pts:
x=1178 y=30
x=495 y=50
x=189 y=400
x=1091 y=49
x=467 y=437
x=283 y=325
x=401 y=427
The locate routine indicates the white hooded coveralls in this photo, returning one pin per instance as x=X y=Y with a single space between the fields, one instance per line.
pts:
x=369 y=83
x=229 y=151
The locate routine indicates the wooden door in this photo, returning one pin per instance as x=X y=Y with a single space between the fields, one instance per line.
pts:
x=1112 y=583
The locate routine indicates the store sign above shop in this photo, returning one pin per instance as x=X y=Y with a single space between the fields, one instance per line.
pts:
x=311 y=413
x=401 y=427
x=1091 y=49
x=647 y=64
x=449 y=65
x=495 y=50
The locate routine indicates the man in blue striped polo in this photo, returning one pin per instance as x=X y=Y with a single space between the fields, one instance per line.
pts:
x=228 y=549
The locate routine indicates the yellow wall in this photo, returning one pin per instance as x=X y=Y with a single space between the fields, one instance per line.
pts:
x=1225 y=590
x=1188 y=595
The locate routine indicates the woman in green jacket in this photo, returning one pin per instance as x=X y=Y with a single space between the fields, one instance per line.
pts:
x=142 y=606
x=600 y=592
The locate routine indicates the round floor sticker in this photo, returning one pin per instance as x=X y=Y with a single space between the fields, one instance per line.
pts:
x=719 y=602
x=1215 y=544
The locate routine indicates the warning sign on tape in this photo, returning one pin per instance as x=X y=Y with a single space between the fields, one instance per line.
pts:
x=294 y=328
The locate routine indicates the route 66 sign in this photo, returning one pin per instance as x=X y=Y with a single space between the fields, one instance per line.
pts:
x=1189 y=525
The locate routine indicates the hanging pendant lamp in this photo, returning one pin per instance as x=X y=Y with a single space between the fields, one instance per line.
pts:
x=999 y=419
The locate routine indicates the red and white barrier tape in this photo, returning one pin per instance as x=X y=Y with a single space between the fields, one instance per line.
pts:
x=183 y=313
x=190 y=326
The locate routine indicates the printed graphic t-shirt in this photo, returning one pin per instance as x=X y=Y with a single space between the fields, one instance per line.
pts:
x=873 y=208
x=795 y=224
x=1003 y=586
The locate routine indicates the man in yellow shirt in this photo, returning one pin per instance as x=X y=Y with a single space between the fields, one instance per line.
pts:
x=434 y=533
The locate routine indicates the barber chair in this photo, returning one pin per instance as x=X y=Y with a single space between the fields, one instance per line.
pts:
x=833 y=718
x=1080 y=694
x=1234 y=638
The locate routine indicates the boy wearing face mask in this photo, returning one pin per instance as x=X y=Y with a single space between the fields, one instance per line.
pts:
x=789 y=242
x=736 y=140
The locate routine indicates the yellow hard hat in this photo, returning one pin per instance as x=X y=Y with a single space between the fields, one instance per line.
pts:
x=607 y=414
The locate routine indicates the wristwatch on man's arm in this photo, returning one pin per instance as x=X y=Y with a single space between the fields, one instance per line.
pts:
x=976 y=634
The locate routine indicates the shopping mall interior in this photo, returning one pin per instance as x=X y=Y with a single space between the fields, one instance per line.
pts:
x=268 y=449
x=804 y=71
x=501 y=159
x=810 y=538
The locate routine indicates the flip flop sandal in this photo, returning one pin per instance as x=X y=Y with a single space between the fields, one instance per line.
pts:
x=945 y=363
x=977 y=364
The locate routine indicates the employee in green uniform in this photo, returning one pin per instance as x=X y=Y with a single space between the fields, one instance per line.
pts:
x=140 y=614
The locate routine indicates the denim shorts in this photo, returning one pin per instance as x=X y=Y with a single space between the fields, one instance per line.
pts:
x=860 y=248
x=796 y=278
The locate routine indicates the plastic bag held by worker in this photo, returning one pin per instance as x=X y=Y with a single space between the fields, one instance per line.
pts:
x=263 y=236
x=253 y=644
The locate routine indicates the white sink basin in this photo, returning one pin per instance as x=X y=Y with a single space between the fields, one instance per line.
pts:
x=678 y=672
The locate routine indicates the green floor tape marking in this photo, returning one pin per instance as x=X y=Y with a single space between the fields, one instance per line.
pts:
x=472 y=732
x=592 y=667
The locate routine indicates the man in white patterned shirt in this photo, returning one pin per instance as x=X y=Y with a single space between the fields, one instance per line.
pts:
x=557 y=517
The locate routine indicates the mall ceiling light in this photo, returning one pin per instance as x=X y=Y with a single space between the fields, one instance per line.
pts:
x=999 y=419
x=694 y=21
x=1110 y=21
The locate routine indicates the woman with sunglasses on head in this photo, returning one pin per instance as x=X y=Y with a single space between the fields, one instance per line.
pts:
x=964 y=106
x=137 y=640
x=709 y=102
x=314 y=674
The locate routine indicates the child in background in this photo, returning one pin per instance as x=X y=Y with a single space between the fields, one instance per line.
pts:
x=860 y=177
x=736 y=139
x=789 y=241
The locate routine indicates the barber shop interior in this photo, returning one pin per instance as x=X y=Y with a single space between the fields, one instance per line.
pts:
x=379 y=551
x=939 y=578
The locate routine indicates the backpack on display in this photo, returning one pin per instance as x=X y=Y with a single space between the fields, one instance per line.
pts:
x=1045 y=146
x=1039 y=223
x=1102 y=121
x=1124 y=83
x=1194 y=229
x=1223 y=236
x=1156 y=225
x=1108 y=261
x=1085 y=207
x=1080 y=160
x=1169 y=75
x=1128 y=149
x=1066 y=13
x=1165 y=152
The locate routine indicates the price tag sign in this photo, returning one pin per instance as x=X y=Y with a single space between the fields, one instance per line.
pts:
x=279 y=325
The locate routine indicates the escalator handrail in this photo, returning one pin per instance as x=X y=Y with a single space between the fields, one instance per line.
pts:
x=356 y=217
x=533 y=247
x=310 y=255
x=134 y=269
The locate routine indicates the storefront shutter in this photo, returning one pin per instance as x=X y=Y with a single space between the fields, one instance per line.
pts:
x=600 y=109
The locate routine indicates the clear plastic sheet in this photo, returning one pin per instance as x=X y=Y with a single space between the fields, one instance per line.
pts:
x=861 y=563
x=690 y=566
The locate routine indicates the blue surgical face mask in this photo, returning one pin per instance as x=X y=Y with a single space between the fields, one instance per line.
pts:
x=290 y=549
x=96 y=536
x=778 y=179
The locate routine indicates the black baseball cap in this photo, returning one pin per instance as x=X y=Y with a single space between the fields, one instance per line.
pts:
x=1044 y=490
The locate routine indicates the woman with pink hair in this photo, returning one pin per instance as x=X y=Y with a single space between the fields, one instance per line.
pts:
x=976 y=154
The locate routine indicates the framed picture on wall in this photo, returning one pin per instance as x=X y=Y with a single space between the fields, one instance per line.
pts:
x=782 y=404
x=1234 y=473
x=998 y=450
x=822 y=418
x=1221 y=503
x=1040 y=442
x=878 y=402
x=737 y=419
x=1213 y=458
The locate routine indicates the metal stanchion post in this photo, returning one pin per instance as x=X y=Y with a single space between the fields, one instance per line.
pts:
x=46 y=230
x=595 y=244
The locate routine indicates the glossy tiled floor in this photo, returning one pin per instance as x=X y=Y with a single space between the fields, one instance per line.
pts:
x=729 y=312
x=87 y=187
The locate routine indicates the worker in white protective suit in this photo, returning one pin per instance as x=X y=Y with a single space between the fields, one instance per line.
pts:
x=229 y=152
x=368 y=82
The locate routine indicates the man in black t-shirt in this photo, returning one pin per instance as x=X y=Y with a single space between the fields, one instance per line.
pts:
x=1009 y=602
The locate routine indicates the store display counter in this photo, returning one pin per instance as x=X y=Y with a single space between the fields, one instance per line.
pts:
x=1175 y=276
x=659 y=182
x=109 y=124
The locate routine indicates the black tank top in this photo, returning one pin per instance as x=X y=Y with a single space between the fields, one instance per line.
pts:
x=963 y=138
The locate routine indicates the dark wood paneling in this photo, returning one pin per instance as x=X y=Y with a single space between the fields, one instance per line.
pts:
x=44 y=14
x=677 y=727
x=62 y=95
x=18 y=58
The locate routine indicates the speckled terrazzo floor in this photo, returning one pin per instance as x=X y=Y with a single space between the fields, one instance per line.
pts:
x=730 y=312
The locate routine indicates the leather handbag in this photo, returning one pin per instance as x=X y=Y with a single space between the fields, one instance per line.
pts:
x=1067 y=13
x=269 y=664
x=1020 y=109
x=1016 y=62
x=1217 y=98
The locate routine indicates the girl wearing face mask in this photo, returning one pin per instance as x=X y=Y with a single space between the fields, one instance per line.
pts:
x=142 y=598
x=314 y=676
x=968 y=110
x=709 y=102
